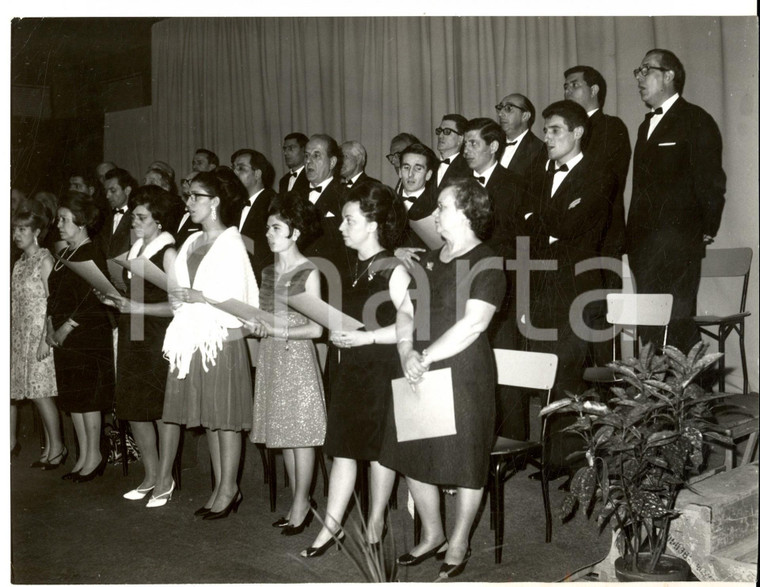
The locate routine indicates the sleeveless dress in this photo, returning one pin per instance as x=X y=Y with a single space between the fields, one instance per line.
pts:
x=218 y=398
x=289 y=400
x=460 y=459
x=141 y=368
x=360 y=391
x=30 y=378
x=84 y=365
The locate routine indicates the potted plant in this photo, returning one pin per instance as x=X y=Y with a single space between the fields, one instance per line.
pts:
x=642 y=446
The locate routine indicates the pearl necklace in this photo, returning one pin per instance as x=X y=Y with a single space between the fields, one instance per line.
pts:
x=59 y=263
x=366 y=269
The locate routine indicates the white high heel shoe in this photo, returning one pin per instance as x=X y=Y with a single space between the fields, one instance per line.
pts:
x=156 y=501
x=138 y=494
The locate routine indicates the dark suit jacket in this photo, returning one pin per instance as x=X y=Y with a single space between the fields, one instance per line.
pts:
x=112 y=244
x=507 y=192
x=301 y=185
x=678 y=187
x=184 y=231
x=420 y=209
x=363 y=178
x=254 y=233
x=607 y=143
x=529 y=157
x=458 y=168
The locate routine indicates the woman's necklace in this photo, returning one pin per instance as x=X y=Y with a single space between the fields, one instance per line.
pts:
x=59 y=263
x=366 y=269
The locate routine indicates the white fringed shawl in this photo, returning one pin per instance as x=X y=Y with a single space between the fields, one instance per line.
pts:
x=225 y=272
x=151 y=248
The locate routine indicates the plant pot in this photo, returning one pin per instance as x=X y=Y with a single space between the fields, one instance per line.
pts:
x=669 y=568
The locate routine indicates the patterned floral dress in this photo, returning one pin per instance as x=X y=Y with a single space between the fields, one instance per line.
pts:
x=30 y=378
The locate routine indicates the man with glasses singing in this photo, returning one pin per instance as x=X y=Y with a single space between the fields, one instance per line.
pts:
x=523 y=150
x=450 y=139
x=678 y=194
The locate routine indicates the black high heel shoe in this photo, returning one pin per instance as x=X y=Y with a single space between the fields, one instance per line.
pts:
x=315 y=552
x=448 y=571
x=70 y=476
x=281 y=523
x=96 y=472
x=409 y=560
x=50 y=466
x=294 y=530
x=231 y=507
x=201 y=511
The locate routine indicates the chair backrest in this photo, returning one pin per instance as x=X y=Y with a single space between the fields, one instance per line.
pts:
x=525 y=368
x=639 y=309
x=729 y=263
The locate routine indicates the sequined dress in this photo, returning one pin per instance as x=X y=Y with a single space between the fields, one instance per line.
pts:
x=289 y=401
x=30 y=378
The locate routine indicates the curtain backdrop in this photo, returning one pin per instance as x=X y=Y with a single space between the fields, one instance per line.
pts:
x=227 y=83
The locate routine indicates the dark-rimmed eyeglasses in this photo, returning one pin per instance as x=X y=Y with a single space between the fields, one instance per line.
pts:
x=446 y=131
x=393 y=158
x=508 y=107
x=644 y=70
x=193 y=196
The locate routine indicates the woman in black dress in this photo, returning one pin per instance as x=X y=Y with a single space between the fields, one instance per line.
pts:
x=466 y=284
x=142 y=369
x=372 y=222
x=80 y=334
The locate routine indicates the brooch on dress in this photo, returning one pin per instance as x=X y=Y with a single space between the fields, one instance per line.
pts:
x=429 y=266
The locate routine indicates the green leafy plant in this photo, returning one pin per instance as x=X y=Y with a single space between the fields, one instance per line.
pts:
x=642 y=446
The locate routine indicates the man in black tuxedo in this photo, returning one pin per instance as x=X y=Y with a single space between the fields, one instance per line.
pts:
x=523 y=151
x=294 y=180
x=256 y=174
x=450 y=140
x=398 y=143
x=606 y=142
x=678 y=193
x=323 y=164
x=354 y=161
x=205 y=160
x=114 y=237
x=565 y=219
x=186 y=227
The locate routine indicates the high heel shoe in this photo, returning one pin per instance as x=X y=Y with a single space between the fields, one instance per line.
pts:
x=70 y=476
x=376 y=545
x=448 y=571
x=231 y=507
x=409 y=560
x=96 y=472
x=156 y=501
x=201 y=511
x=281 y=523
x=51 y=466
x=290 y=530
x=138 y=494
x=312 y=552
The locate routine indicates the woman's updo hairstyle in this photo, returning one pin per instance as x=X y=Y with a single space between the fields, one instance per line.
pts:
x=379 y=204
x=472 y=199
x=82 y=206
x=222 y=183
x=298 y=213
x=153 y=197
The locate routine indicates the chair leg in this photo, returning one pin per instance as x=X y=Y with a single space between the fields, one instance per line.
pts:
x=123 y=443
x=323 y=468
x=743 y=351
x=177 y=465
x=393 y=501
x=272 y=461
x=497 y=509
x=264 y=461
x=547 y=504
x=417 y=527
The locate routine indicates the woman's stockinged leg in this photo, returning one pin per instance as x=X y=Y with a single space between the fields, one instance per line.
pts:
x=229 y=443
x=168 y=439
x=145 y=437
x=427 y=501
x=301 y=482
x=77 y=419
x=52 y=424
x=342 y=481
x=467 y=504
x=381 y=483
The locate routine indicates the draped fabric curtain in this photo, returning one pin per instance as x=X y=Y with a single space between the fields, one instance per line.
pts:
x=227 y=83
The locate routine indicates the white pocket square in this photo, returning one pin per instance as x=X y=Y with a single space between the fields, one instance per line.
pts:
x=574 y=203
x=329 y=215
x=666 y=144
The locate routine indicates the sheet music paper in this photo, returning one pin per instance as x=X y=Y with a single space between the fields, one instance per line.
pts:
x=424 y=409
x=92 y=274
x=425 y=229
x=323 y=313
x=144 y=268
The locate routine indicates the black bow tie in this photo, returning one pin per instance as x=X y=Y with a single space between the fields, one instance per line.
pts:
x=409 y=198
x=553 y=169
x=247 y=204
x=649 y=115
x=481 y=179
x=349 y=183
x=446 y=162
x=293 y=174
x=122 y=210
x=317 y=189
x=511 y=143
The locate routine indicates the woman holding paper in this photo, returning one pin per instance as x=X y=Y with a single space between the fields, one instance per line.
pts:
x=141 y=368
x=80 y=333
x=466 y=285
x=209 y=381
x=372 y=222
x=289 y=403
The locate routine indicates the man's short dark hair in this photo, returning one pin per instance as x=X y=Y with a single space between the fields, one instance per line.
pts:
x=490 y=131
x=571 y=112
x=123 y=178
x=300 y=138
x=405 y=136
x=210 y=156
x=425 y=151
x=459 y=121
x=669 y=61
x=333 y=150
x=593 y=78
x=258 y=161
x=88 y=178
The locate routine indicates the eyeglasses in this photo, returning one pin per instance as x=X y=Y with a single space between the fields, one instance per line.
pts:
x=193 y=196
x=446 y=131
x=508 y=107
x=644 y=70
x=393 y=158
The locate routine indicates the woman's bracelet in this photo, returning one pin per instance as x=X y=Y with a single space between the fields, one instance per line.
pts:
x=409 y=340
